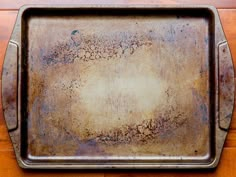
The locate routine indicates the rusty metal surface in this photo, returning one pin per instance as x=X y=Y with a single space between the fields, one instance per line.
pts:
x=10 y=89
x=226 y=89
x=120 y=87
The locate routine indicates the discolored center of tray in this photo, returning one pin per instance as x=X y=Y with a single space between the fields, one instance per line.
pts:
x=112 y=86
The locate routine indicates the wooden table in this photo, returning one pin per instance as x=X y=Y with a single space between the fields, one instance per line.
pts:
x=8 y=164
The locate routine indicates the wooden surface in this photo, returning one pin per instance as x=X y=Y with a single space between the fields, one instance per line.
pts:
x=8 y=164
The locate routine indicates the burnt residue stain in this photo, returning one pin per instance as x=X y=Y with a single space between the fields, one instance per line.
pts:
x=48 y=142
x=147 y=131
x=93 y=47
x=57 y=134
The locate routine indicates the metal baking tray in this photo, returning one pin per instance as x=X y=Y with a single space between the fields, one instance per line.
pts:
x=118 y=87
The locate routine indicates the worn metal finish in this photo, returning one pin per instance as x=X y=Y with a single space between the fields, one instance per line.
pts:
x=9 y=90
x=118 y=87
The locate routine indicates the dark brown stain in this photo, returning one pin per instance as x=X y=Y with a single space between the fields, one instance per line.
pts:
x=94 y=47
x=148 y=130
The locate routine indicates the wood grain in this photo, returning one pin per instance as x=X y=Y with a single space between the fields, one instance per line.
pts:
x=8 y=164
x=11 y=4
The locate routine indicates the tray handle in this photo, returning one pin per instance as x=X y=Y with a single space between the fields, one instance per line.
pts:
x=9 y=86
x=226 y=86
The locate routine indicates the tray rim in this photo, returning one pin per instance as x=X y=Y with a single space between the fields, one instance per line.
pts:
x=220 y=133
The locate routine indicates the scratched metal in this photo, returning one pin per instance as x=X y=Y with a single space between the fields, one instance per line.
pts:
x=117 y=88
x=136 y=88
